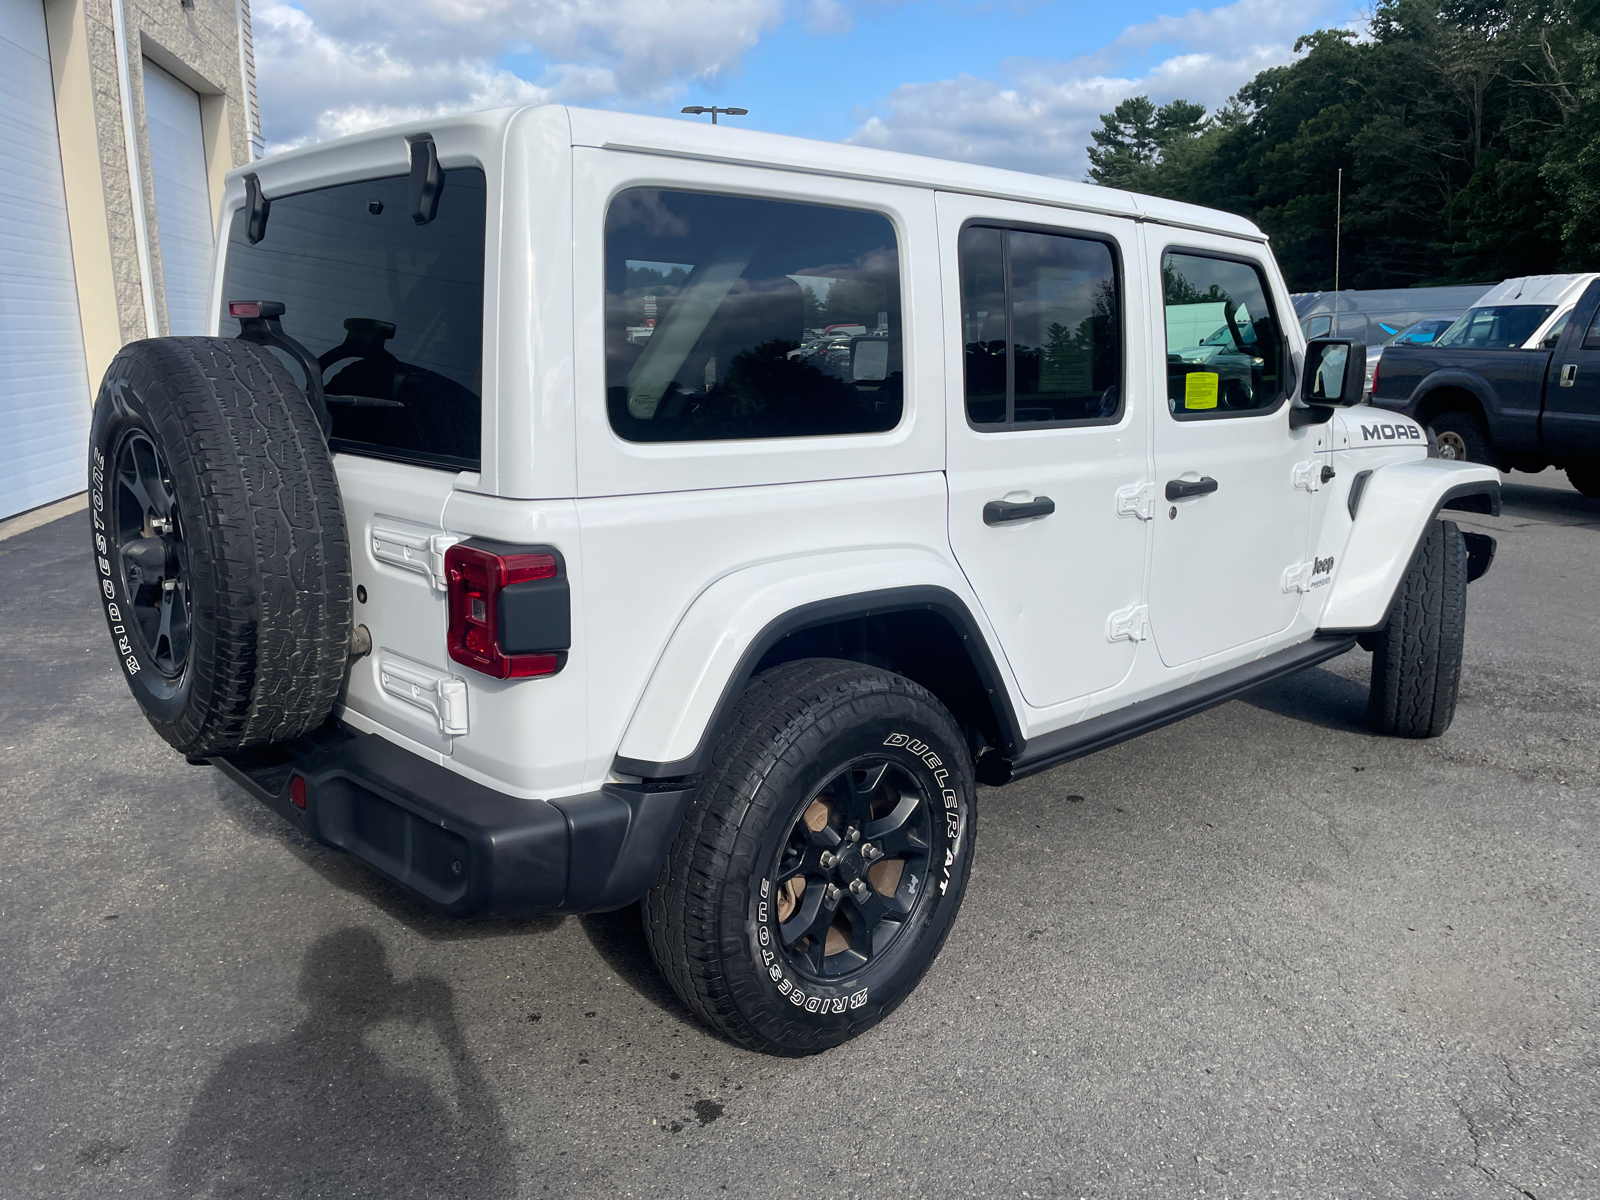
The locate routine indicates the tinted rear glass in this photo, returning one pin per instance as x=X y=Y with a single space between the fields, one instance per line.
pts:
x=733 y=317
x=392 y=309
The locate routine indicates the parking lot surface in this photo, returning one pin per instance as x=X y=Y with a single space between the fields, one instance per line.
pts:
x=1260 y=953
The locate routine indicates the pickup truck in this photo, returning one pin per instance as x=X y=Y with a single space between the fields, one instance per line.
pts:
x=1514 y=383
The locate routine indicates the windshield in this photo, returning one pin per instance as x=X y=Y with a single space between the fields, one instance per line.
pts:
x=1422 y=333
x=1497 y=327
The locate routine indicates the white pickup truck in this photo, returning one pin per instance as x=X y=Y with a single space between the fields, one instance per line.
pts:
x=573 y=508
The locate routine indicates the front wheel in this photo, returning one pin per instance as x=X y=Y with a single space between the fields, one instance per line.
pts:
x=823 y=861
x=1416 y=659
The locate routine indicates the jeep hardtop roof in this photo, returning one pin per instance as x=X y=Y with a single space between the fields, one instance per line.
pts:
x=360 y=154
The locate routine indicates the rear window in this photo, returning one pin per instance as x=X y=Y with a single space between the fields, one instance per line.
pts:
x=1496 y=327
x=734 y=317
x=393 y=310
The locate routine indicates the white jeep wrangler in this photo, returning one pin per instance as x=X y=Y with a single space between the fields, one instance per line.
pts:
x=575 y=508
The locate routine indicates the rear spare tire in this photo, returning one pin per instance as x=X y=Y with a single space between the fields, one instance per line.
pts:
x=221 y=556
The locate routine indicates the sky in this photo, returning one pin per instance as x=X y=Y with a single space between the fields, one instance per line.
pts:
x=1018 y=84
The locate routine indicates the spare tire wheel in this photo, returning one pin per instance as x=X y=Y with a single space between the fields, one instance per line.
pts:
x=221 y=555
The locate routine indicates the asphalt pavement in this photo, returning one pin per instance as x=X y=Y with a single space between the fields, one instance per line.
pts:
x=1261 y=953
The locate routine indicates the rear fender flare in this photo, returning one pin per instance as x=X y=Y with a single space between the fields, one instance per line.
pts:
x=722 y=637
x=1396 y=506
x=1457 y=379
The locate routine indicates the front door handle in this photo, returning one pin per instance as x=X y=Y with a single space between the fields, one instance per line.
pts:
x=1569 y=374
x=1003 y=512
x=1184 y=489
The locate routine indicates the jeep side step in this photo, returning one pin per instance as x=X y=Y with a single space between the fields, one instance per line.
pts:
x=1097 y=733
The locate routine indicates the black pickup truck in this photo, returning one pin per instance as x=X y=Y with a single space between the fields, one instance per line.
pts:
x=1514 y=408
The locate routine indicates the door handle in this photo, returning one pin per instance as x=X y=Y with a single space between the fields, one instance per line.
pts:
x=1569 y=374
x=1003 y=512
x=1185 y=489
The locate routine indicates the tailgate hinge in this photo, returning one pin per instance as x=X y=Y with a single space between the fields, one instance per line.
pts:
x=414 y=550
x=1129 y=624
x=1136 y=500
x=433 y=691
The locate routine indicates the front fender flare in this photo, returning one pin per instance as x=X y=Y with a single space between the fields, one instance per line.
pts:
x=716 y=646
x=1396 y=505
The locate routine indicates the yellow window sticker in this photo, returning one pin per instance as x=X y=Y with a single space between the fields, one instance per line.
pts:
x=1200 y=389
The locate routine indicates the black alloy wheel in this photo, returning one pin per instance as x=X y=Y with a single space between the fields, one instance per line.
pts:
x=147 y=540
x=853 y=870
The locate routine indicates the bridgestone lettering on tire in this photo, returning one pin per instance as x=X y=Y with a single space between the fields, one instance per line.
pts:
x=1416 y=660
x=221 y=558
x=823 y=861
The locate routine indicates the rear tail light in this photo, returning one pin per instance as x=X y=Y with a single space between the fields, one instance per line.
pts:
x=509 y=610
x=1376 y=367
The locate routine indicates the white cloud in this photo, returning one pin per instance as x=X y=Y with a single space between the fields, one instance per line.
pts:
x=1039 y=114
x=331 y=67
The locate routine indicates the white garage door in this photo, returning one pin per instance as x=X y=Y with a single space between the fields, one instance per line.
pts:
x=183 y=198
x=44 y=385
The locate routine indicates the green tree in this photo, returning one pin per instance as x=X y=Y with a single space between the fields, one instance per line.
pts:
x=1468 y=132
x=1135 y=137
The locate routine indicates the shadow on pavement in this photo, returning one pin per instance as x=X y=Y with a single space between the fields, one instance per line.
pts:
x=1317 y=697
x=349 y=874
x=618 y=937
x=1559 y=505
x=320 y=1113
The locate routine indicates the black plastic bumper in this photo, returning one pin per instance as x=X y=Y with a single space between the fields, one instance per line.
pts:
x=465 y=848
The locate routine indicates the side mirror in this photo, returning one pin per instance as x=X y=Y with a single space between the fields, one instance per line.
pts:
x=1335 y=372
x=869 y=358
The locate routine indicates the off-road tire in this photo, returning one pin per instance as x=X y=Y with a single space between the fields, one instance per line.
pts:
x=210 y=483
x=709 y=920
x=1416 y=658
x=1585 y=479
x=1462 y=437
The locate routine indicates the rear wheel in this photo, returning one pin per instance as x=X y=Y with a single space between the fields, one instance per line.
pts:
x=1586 y=479
x=1461 y=437
x=823 y=861
x=219 y=540
x=1416 y=658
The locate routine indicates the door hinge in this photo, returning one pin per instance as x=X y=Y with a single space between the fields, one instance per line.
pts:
x=1308 y=475
x=1129 y=624
x=1298 y=577
x=1136 y=500
x=433 y=691
x=413 y=550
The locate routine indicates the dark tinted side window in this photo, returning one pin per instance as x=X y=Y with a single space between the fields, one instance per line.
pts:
x=732 y=317
x=392 y=309
x=1041 y=322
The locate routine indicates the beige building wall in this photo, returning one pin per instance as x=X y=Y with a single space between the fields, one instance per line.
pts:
x=98 y=50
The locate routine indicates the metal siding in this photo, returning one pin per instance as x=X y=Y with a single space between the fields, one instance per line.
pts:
x=44 y=403
x=183 y=199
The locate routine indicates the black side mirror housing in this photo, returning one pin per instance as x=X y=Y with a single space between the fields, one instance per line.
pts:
x=1335 y=373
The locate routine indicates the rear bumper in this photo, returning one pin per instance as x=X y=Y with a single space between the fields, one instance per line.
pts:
x=464 y=848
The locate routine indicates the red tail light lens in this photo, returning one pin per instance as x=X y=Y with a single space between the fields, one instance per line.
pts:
x=476 y=578
x=297 y=791
x=244 y=308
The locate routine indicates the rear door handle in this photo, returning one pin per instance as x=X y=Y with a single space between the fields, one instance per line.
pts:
x=1003 y=512
x=1184 y=489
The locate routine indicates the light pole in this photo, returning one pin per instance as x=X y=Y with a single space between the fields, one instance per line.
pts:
x=697 y=109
